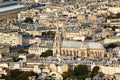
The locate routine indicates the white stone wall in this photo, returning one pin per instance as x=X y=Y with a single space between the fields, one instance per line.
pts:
x=11 y=38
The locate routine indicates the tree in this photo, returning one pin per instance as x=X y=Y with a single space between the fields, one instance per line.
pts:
x=95 y=71
x=44 y=33
x=51 y=33
x=25 y=75
x=72 y=77
x=12 y=74
x=118 y=15
x=113 y=45
x=28 y=20
x=18 y=75
x=115 y=27
x=47 y=53
x=113 y=16
x=67 y=74
x=81 y=70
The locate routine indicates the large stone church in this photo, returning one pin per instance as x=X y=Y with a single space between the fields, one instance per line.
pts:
x=77 y=48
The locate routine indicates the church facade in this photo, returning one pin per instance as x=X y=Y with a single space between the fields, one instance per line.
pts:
x=77 y=48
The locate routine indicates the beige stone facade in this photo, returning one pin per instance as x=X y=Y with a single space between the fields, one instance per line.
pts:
x=92 y=18
x=81 y=17
x=72 y=35
x=77 y=48
x=28 y=13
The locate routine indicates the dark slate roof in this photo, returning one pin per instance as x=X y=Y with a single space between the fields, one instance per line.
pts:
x=7 y=3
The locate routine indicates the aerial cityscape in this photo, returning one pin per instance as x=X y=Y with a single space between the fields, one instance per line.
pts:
x=59 y=39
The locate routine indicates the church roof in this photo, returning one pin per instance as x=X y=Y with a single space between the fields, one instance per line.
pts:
x=94 y=45
x=71 y=44
x=78 y=44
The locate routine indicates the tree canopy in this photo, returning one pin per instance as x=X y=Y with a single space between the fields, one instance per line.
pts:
x=28 y=20
x=114 y=27
x=18 y=75
x=113 y=45
x=116 y=16
x=80 y=72
x=95 y=71
x=49 y=33
x=47 y=53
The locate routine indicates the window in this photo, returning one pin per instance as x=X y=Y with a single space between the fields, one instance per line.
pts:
x=56 y=51
x=63 y=52
x=82 y=53
x=56 y=44
x=57 y=38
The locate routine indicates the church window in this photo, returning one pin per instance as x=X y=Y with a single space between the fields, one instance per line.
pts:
x=57 y=38
x=56 y=51
x=82 y=53
x=70 y=52
x=56 y=44
x=63 y=52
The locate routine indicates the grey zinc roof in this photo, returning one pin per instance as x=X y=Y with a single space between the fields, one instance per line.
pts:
x=77 y=44
x=9 y=8
x=7 y=3
x=94 y=45
x=71 y=44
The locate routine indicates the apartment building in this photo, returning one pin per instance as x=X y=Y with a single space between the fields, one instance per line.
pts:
x=11 y=38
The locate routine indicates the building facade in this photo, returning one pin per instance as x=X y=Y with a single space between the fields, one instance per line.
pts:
x=77 y=48
x=12 y=38
x=28 y=13
x=38 y=48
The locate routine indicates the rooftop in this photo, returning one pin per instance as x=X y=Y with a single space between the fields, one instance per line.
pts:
x=10 y=6
x=7 y=3
x=94 y=45
x=72 y=28
x=71 y=44
x=78 y=44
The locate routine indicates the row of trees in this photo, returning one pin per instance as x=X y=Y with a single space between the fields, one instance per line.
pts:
x=18 y=75
x=80 y=72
